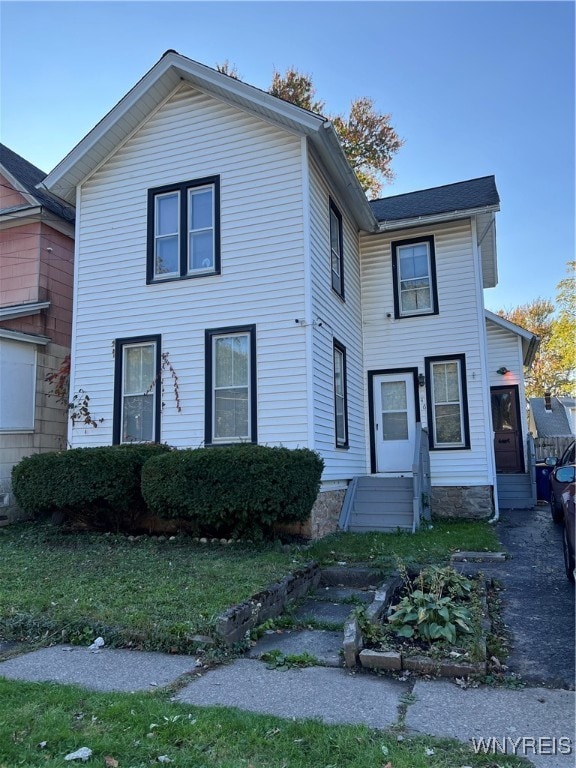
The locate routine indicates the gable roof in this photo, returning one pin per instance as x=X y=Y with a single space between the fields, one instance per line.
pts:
x=530 y=342
x=553 y=423
x=449 y=200
x=159 y=82
x=25 y=177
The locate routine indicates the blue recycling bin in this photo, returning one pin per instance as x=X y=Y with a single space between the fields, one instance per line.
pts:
x=543 y=481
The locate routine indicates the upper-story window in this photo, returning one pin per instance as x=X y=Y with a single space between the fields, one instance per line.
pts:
x=414 y=268
x=336 y=250
x=184 y=230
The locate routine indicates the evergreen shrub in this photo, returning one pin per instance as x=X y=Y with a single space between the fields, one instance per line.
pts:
x=100 y=486
x=239 y=490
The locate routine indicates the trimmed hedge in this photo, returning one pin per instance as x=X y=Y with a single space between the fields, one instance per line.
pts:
x=98 y=485
x=233 y=490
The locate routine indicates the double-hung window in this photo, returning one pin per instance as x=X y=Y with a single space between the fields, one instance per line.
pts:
x=231 y=385
x=184 y=230
x=336 y=250
x=340 y=396
x=137 y=390
x=414 y=269
x=447 y=395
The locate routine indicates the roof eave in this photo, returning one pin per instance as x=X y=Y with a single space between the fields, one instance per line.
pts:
x=435 y=218
x=172 y=68
x=530 y=341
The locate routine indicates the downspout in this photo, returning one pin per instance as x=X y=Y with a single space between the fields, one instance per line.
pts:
x=308 y=308
x=484 y=367
x=77 y=228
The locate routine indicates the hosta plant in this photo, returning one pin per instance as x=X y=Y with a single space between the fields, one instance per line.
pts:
x=429 y=617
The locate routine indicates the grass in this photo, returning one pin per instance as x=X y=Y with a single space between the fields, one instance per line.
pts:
x=426 y=546
x=157 y=594
x=134 y=730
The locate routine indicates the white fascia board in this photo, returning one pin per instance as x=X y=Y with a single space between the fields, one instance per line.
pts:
x=332 y=155
x=29 y=338
x=437 y=218
x=23 y=310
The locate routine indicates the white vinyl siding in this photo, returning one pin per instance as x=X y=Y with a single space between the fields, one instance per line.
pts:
x=456 y=330
x=335 y=319
x=17 y=386
x=194 y=136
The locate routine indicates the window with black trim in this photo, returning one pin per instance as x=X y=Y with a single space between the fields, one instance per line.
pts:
x=447 y=398
x=137 y=390
x=184 y=230
x=231 y=385
x=336 y=250
x=340 y=396
x=414 y=270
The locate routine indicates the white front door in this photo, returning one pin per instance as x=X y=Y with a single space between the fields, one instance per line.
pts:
x=394 y=422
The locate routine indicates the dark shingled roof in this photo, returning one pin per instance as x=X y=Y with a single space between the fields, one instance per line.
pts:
x=28 y=176
x=450 y=198
x=553 y=423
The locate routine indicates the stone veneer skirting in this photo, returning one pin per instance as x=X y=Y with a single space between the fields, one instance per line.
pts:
x=464 y=502
x=323 y=517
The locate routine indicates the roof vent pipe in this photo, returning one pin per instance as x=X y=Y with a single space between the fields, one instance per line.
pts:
x=548 y=401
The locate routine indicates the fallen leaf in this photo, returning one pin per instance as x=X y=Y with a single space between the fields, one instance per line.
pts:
x=110 y=762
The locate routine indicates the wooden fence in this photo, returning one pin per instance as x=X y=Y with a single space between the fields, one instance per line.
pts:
x=550 y=446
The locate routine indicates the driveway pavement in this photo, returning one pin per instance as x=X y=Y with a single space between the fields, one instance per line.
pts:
x=537 y=599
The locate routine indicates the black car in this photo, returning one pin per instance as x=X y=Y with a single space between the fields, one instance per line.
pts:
x=558 y=484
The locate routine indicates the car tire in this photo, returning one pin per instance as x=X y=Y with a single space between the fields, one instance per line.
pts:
x=556 y=509
x=568 y=557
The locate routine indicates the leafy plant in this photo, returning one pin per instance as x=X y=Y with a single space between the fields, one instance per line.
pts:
x=437 y=579
x=276 y=659
x=429 y=617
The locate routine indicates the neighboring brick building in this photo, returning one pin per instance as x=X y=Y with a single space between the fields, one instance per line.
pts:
x=36 y=279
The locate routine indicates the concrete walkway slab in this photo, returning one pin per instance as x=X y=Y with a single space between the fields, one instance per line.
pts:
x=324 y=645
x=109 y=669
x=331 y=695
x=323 y=611
x=443 y=709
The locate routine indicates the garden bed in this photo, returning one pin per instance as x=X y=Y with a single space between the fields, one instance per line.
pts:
x=458 y=623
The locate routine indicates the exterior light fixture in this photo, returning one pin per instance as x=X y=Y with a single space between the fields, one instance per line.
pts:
x=502 y=370
x=421 y=380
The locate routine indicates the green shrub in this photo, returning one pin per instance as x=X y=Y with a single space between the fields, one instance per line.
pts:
x=233 y=490
x=100 y=486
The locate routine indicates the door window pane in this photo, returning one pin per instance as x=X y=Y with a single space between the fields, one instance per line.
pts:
x=394 y=410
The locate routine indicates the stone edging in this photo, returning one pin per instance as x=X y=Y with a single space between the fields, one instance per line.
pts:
x=232 y=626
x=354 y=652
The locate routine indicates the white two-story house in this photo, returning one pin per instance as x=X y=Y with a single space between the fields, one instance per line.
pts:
x=233 y=284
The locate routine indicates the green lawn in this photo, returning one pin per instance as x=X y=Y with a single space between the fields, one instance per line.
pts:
x=156 y=594
x=134 y=730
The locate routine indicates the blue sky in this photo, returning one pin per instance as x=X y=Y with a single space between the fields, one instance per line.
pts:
x=474 y=88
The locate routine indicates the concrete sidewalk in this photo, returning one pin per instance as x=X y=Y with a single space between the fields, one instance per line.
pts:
x=531 y=718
